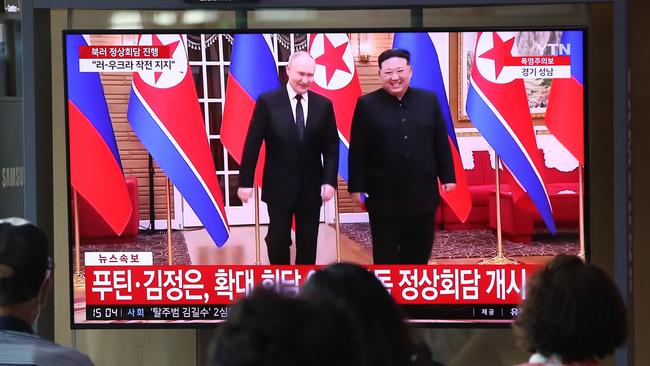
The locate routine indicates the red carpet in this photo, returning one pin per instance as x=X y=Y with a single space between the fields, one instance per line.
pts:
x=479 y=243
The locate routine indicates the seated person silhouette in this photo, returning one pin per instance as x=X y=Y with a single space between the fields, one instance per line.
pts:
x=267 y=329
x=389 y=339
x=25 y=282
x=573 y=314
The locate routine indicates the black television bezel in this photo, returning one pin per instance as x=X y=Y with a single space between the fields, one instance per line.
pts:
x=420 y=323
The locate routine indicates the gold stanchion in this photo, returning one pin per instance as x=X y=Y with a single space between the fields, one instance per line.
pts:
x=337 y=225
x=500 y=258
x=78 y=278
x=258 y=261
x=170 y=254
x=581 y=193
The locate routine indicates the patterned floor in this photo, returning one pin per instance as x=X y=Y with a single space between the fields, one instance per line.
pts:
x=448 y=244
x=479 y=243
x=156 y=243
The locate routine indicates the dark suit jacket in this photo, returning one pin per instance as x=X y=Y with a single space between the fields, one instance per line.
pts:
x=293 y=171
x=398 y=150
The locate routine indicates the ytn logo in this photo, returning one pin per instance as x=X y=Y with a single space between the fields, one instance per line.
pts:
x=556 y=49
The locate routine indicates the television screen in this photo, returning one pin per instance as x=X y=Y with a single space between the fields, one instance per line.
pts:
x=157 y=124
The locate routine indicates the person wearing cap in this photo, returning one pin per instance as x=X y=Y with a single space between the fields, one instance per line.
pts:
x=25 y=281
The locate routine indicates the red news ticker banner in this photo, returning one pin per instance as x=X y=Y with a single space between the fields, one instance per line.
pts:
x=124 y=52
x=218 y=284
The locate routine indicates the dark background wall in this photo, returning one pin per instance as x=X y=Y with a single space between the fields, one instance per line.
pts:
x=639 y=99
x=12 y=169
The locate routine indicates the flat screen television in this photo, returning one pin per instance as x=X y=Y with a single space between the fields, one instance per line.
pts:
x=156 y=122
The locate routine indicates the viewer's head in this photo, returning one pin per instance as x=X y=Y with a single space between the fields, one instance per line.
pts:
x=25 y=266
x=270 y=329
x=572 y=310
x=300 y=71
x=395 y=71
x=381 y=320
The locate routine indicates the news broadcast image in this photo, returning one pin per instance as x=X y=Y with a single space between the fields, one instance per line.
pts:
x=156 y=130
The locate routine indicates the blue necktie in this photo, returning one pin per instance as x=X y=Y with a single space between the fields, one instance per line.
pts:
x=300 y=118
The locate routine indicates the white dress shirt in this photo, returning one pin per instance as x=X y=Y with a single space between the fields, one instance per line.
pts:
x=294 y=102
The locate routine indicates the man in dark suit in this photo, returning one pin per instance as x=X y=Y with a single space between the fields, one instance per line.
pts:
x=398 y=150
x=299 y=128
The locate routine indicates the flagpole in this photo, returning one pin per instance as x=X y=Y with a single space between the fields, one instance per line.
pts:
x=500 y=258
x=258 y=261
x=78 y=278
x=581 y=193
x=170 y=259
x=337 y=225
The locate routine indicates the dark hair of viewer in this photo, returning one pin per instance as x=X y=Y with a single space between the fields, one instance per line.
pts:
x=23 y=261
x=382 y=323
x=394 y=52
x=268 y=329
x=572 y=310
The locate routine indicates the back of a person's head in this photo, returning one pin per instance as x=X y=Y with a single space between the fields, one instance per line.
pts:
x=270 y=329
x=382 y=322
x=572 y=310
x=24 y=260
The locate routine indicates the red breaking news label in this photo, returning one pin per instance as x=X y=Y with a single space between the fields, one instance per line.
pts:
x=124 y=52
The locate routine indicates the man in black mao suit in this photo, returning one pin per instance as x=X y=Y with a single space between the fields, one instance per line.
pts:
x=299 y=128
x=398 y=150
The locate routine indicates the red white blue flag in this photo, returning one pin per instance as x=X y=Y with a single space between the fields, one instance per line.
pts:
x=428 y=75
x=95 y=166
x=336 y=78
x=565 y=111
x=252 y=72
x=498 y=107
x=165 y=115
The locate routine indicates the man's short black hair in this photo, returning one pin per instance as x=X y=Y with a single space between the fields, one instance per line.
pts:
x=573 y=310
x=394 y=52
x=24 y=260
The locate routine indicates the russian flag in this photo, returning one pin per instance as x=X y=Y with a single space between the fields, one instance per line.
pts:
x=498 y=107
x=336 y=78
x=95 y=166
x=165 y=115
x=427 y=75
x=565 y=111
x=252 y=72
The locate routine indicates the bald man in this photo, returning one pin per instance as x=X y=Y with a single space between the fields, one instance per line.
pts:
x=300 y=171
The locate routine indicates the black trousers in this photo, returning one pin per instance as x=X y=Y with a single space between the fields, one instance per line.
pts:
x=278 y=238
x=401 y=239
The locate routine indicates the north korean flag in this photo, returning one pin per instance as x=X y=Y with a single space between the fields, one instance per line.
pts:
x=336 y=78
x=498 y=107
x=165 y=114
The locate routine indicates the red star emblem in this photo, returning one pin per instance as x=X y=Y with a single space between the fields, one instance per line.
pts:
x=155 y=41
x=499 y=53
x=332 y=59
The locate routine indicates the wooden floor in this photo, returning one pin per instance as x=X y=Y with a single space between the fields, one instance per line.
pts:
x=240 y=249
